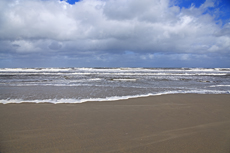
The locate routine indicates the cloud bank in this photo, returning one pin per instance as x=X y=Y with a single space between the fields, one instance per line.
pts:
x=103 y=32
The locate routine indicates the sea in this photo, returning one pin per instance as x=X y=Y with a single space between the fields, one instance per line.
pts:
x=77 y=85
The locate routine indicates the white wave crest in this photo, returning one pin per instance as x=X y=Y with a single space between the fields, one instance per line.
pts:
x=220 y=85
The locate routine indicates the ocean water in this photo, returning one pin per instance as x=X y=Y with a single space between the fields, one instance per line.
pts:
x=76 y=85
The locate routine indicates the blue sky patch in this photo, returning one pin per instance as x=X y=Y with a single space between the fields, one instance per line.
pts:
x=71 y=1
x=188 y=3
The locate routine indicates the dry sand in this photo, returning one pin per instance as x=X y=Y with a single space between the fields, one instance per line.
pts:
x=183 y=123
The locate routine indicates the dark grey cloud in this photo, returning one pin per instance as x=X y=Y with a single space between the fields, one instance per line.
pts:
x=105 y=31
x=55 y=46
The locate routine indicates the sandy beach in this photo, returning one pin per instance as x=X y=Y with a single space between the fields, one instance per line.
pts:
x=169 y=123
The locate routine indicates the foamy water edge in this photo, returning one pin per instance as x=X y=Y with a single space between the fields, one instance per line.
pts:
x=114 y=98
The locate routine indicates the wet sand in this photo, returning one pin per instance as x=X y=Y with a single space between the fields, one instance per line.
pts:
x=169 y=123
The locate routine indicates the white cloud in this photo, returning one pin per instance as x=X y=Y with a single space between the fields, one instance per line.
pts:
x=113 y=26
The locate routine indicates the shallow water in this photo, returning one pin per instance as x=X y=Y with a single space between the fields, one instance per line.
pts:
x=74 y=85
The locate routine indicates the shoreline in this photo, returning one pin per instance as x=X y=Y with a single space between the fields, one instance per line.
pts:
x=107 y=99
x=165 y=123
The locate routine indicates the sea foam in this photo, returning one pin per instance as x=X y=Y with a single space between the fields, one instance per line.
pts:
x=114 y=98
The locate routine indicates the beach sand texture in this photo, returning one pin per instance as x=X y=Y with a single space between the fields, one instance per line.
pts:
x=180 y=123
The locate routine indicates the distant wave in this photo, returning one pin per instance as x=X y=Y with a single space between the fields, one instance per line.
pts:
x=109 y=69
x=220 y=86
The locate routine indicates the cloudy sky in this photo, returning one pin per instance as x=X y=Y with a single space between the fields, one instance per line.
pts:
x=115 y=33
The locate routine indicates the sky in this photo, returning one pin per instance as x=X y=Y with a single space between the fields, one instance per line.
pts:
x=114 y=33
